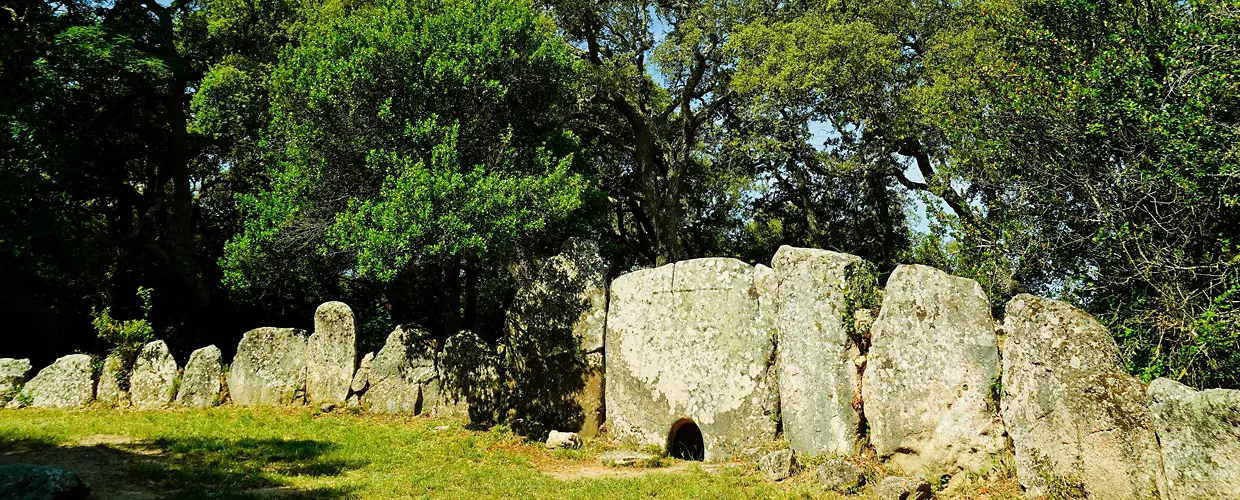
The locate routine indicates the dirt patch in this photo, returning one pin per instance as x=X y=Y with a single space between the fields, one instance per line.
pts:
x=101 y=460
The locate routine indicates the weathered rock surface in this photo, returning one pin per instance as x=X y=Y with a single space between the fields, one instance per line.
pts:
x=903 y=488
x=269 y=368
x=114 y=373
x=840 y=476
x=38 y=482
x=66 y=383
x=776 y=465
x=332 y=353
x=685 y=341
x=818 y=381
x=933 y=359
x=1199 y=432
x=403 y=378
x=1078 y=420
x=557 y=440
x=153 y=381
x=200 y=382
x=361 y=379
x=13 y=373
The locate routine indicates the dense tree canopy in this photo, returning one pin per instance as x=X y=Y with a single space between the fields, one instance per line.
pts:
x=239 y=161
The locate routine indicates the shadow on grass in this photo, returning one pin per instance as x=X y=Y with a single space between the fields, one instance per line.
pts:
x=189 y=468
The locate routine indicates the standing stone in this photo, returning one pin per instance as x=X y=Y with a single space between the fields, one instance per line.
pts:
x=153 y=381
x=685 y=342
x=933 y=360
x=403 y=378
x=1078 y=420
x=332 y=352
x=269 y=368
x=66 y=383
x=819 y=387
x=200 y=383
x=115 y=371
x=13 y=373
x=1199 y=432
x=361 y=379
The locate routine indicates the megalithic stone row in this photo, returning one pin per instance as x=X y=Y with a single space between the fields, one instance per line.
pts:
x=1078 y=420
x=930 y=371
x=269 y=368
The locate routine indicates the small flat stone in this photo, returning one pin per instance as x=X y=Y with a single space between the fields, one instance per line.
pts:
x=624 y=458
x=903 y=488
x=839 y=475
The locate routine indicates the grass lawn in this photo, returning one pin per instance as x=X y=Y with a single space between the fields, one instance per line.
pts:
x=232 y=452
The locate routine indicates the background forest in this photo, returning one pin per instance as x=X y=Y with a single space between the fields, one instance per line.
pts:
x=192 y=169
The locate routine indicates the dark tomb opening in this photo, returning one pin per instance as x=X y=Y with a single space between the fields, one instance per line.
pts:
x=686 y=442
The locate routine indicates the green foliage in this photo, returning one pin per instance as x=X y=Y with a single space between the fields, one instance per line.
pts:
x=127 y=335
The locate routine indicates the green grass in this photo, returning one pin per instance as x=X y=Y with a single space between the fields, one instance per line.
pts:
x=232 y=452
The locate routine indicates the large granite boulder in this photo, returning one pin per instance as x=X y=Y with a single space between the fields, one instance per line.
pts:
x=200 y=381
x=66 y=383
x=1199 y=433
x=1078 y=420
x=13 y=373
x=819 y=383
x=114 y=379
x=39 y=482
x=269 y=368
x=153 y=381
x=332 y=353
x=685 y=342
x=932 y=362
x=403 y=377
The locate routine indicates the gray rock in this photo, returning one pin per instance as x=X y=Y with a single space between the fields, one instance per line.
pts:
x=66 y=383
x=269 y=368
x=332 y=353
x=361 y=379
x=557 y=440
x=327 y=407
x=115 y=371
x=623 y=458
x=685 y=342
x=403 y=378
x=1199 y=432
x=1078 y=420
x=933 y=359
x=200 y=382
x=840 y=476
x=818 y=381
x=152 y=384
x=776 y=465
x=13 y=373
x=903 y=488
x=38 y=482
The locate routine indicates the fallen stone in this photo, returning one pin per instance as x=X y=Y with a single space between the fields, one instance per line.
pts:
x=361 y=379
x=625 y=458
x=685 y=342
x=818 y=382
x=1078 y=420
x=903 y=488
x=932 y=362
x=327 y=407
x=776 y=465
x=13 y=373
x=152 y=384
x=66 y=383
x=1199 y=433
x=403 y=378
x=37 y=482
x=840 y=476
x=568 y=440
x=269 y=368
x=200 y=382
x=332 y=353
x=115 y=372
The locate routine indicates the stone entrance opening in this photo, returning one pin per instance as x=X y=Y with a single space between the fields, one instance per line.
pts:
x=685 y=441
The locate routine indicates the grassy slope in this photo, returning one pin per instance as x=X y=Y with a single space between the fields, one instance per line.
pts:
x=232 y=452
